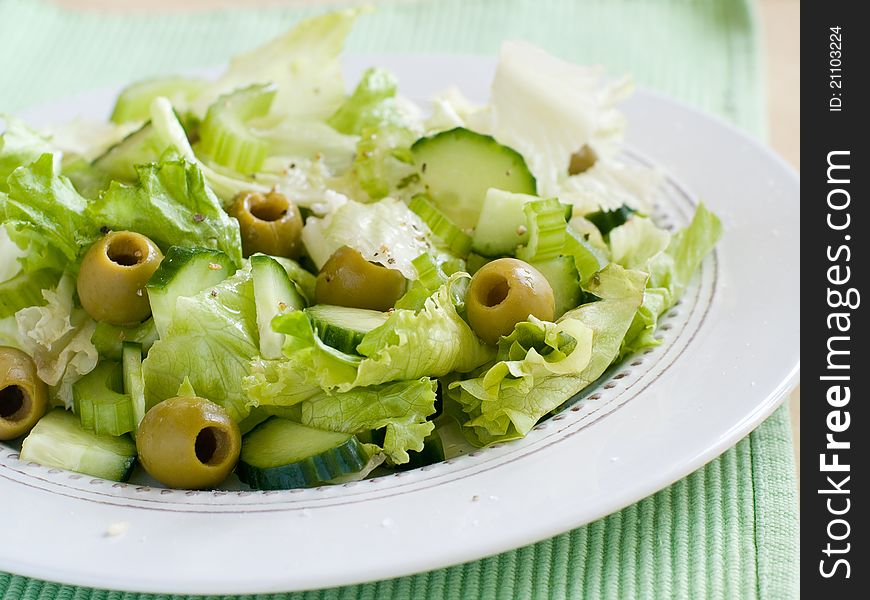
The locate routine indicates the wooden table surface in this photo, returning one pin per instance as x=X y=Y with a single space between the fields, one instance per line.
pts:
x=780 y=32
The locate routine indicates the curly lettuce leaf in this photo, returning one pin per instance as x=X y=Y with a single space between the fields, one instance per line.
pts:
x=671 y=261
x=441 y=341
x=44 y=214
x=58 y=337
x=401 y=408
x=385 y=232
x=506 y=401
x=172 y=205
x=211 y=340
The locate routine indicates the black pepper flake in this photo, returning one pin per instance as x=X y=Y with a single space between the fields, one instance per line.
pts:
x=391 y=261
x=292 y=165
x=104 y=230
x=199 y=218
x=423 y=167
x=213 y=294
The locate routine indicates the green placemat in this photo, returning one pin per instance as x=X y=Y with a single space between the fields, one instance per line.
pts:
x=728 y=530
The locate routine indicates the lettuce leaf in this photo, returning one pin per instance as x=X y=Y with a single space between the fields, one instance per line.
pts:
x=58 y=337
x=441 y=341
x=303 y=64
x=572 y=108
x=400 y=407
x=46 y=215
x=172 y=205
x=19 y=146
x=671 y=261
x=506 y=401
x=385 y=232
x=211 y=341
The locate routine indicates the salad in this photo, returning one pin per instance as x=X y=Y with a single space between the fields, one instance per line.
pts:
x=263 y=275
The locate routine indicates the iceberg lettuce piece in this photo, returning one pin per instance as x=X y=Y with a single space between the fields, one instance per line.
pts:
x=541 y=368
x=572 y=106
x=386 y=232
x=211 y=341
x=303 y=64
x=58 y=337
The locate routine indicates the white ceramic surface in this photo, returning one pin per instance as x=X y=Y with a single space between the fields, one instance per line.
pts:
x=730 y=353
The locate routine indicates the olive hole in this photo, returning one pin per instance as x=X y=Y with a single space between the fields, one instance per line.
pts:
x=211 y=446
x=271 y=209
x=126 y=251
x=13 y=403
x=497 y=293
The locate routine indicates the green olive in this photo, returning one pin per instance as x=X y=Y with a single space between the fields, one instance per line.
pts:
x=505 y=292
x=188 y=442
x=112 y=278
x=348 y=279
x=582 y=160
x=23 y=395
x=269 y=223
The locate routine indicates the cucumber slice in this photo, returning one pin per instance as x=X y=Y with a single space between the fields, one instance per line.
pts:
x=141 y=147
x=343 y=328
x=25 y=289
x=458 y=166
x=281 y=454
x=100 y=404
x=503 y=224
x=225 y=135
x=561 y=273
x=184 y=272
x=456 y=240
x=134 y=382
x=134 y=102
x=304 y=281
x=58 y=440
x=109 y=339
x=274 y=294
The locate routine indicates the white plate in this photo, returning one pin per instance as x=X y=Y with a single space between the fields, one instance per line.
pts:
x=730 y=353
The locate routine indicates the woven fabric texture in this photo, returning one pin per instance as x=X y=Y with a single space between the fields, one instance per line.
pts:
x=727 y=531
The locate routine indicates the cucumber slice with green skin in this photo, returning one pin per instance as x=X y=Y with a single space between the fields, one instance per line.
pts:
x=280 y=454
x=109 y=339
x=502 y=226
x=304 y=281
x=184 y=272
x=141 y=147
x=458 y=166
x=59 y=441
x=264 y=412
x=101 y=405
x=456 y=240
x=134 y=102
x=134 y=382
x=25 y=289
x=343 y=328
x=274 y=294
x=561 y=273
x=225 y=135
